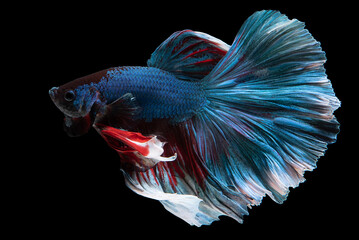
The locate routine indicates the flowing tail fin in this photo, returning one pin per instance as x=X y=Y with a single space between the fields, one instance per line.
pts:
x=268 y=119
x=271 y=108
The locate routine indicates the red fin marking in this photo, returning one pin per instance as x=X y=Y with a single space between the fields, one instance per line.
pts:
x=176 y=166
x=129 y=138
x=137 y=177
x=190 y=47
x=143 y=176
x=204 y=61
x=173 y=177
x=168 y=167
x=160 y=171
x=211 y=50
x=147 y=175
x=134 y=136
x=196 y=52
x=178 y=46
x=154 y=175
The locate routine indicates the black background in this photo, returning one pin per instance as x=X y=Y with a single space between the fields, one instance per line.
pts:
x=75 y=186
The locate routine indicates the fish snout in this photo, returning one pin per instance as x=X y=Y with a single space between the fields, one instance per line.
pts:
x=53 y=93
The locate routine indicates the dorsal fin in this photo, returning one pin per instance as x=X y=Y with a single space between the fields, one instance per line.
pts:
x=188 y=54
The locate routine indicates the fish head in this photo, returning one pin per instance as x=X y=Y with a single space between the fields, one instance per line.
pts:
x=79 y=103
x=74 y=101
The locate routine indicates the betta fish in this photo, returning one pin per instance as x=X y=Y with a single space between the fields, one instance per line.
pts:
x=209 y=129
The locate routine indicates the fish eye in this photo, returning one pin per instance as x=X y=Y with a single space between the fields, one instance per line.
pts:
x=69 y=95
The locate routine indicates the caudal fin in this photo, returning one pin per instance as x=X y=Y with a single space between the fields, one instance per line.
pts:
x=268 y=119
x=271 y=108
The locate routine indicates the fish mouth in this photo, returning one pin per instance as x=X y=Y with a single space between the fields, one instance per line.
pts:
x=53 y=93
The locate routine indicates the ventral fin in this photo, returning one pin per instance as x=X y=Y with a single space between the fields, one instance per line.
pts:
x=188 y=54
x=143 y=152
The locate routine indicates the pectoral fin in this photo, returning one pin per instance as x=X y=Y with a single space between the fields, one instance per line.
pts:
x=120 y=113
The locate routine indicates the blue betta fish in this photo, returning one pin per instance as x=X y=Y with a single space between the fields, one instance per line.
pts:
x=209 y=129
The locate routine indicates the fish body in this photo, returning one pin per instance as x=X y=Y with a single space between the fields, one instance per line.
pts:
x=209 y=129
x=158 y=92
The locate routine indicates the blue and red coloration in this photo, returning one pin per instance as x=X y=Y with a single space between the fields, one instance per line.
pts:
x=209 y=129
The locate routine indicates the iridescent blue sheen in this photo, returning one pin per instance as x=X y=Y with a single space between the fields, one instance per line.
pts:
x=159 y=93
x=240 y=122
